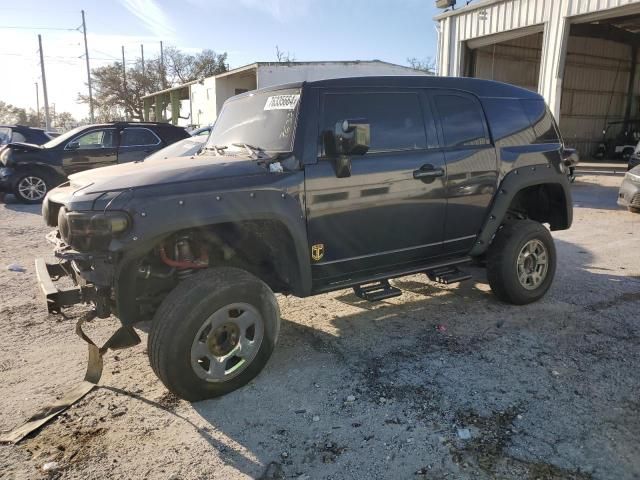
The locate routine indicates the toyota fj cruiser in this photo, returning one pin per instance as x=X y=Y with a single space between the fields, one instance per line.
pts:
x=303 y=189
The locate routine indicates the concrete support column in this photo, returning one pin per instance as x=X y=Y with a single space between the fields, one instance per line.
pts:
x=174 y=96
x=159 y=107
x=554 y=54
x=146 y=108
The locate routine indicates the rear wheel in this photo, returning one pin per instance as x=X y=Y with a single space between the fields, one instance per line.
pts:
x=31 y=187
x=213 y=333
x=521 y=262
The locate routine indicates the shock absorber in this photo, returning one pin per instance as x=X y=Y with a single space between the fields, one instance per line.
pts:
x=184 y=255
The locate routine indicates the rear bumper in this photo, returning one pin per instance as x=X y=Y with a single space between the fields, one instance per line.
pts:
x=629 y=194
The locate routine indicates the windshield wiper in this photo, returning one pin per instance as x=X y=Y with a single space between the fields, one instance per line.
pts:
x=219 y=149
x=251 y=149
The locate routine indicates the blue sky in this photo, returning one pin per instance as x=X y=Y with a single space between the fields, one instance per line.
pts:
x=249 y=30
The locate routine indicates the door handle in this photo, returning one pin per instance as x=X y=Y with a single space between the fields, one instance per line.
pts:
x=428 y=171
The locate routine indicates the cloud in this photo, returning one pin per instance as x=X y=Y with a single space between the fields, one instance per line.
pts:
x=152 y=16
x=281 y=10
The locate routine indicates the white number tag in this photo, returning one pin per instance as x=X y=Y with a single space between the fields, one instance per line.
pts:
x=282 y=102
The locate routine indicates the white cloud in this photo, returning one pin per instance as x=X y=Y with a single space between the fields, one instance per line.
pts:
x=281 y=10
x=152 y=16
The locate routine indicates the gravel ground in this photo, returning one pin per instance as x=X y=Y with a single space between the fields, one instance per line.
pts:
x=442 y=382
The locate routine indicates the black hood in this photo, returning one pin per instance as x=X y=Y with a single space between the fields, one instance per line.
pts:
x=164 y=171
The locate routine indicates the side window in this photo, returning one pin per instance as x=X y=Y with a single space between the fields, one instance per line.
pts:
x=395 y=118
x=543 y=122
x=5 y=135
x=18 y=137
x=462 y=121
x=138 y=137
x=509 y=123
x=95 y=139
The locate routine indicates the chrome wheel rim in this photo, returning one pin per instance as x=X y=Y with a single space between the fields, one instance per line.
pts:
x=227 y=342
x=533 y=264
x=32 y=188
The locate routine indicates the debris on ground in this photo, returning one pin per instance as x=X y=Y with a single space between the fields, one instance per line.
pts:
x=14 y=267
x=464 y=433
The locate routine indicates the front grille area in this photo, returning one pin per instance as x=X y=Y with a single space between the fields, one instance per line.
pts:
x=635 y=201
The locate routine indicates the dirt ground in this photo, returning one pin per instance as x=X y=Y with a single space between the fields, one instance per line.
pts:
x=546 y=391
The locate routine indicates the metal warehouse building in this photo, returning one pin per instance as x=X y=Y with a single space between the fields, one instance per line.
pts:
x=581 y=55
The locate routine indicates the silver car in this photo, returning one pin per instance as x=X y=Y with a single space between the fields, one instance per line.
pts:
x=629 y=194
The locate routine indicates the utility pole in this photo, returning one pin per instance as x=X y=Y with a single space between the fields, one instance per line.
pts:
x=142 y=56
x=47 y=121
x=124 y=83
x=37 y=104
x=86 y=56
x=162 y=79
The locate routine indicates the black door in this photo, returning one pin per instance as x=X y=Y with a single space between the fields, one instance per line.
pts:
x=472 y=167
x=380 y=217
x=136 y=143
x=92 y=149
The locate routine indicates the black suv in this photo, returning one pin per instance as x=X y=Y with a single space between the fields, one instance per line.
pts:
x=31 y=170
x=303 y=189
x=23 y=134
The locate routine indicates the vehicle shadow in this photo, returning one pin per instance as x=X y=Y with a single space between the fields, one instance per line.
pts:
x=593 y=195
x=428 y=351
x=11 y=203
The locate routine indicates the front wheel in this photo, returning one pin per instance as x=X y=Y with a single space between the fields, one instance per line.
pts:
x=521 y=262
x=31 y=187
x=213 y=333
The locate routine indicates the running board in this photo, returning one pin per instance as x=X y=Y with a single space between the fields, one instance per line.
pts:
x=447 y=275
x=374 y=292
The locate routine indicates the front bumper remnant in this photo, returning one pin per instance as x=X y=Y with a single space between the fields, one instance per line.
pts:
x=58 y=298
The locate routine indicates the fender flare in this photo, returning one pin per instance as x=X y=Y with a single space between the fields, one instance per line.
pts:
x=515 y=181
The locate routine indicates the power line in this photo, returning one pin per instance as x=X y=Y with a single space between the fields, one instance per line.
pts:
x=16 y=27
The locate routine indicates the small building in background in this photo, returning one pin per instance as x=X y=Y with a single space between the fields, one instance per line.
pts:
x=581 y=55
x=198 y=103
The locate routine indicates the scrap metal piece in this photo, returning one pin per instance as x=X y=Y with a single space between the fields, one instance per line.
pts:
x=123 y=337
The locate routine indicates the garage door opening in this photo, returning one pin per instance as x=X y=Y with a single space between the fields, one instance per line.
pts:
x=515 y=61
x=600 y=88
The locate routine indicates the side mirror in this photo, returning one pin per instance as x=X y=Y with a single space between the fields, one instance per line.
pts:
x=352 y=137
x=73 y=145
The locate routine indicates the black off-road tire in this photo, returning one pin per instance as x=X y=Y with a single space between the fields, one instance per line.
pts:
x=183 y=312
x=36 y=176
x=502 y=257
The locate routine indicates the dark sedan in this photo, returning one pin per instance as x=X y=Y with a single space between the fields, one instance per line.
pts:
x=29 y=171
x=22 y=133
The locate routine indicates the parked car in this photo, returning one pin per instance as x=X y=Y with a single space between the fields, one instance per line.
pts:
x=619 y=140
x=201 y=132
x=629 y=193
x=22 y=134
x=29 y=171
x=304 y=189
x=634 y=159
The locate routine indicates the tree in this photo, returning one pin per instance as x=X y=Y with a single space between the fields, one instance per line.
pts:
x=284 y=57
x=12 y=115
x=115 y=99
x=426 y=65
x=182 y=67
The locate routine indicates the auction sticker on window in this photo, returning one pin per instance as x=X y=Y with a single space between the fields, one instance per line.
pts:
x=282 y=102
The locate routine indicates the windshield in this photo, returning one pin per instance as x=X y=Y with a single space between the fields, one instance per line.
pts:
x=265 y=120
x=59 y=140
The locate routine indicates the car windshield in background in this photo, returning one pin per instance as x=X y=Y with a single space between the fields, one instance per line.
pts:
x=182 y=148
x=60 y=139
x=265 y=120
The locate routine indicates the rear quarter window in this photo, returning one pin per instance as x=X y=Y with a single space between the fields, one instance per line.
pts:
x=544 y=125
x=509 y=123
x=462 y=121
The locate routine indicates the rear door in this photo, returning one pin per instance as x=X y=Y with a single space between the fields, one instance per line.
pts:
x=136 y=143
x=472 y=166
x=380 y=217
x=91 y=149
